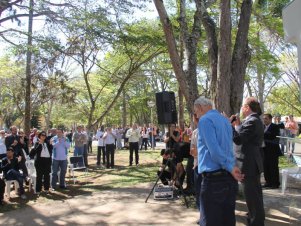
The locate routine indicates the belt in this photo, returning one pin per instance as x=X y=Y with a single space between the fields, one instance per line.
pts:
x=216 y=173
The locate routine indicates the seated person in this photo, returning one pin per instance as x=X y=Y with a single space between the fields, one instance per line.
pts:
x=171 y=169
x=10 y=168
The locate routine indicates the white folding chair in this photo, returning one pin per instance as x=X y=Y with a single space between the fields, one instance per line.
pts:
x=32 y=174
x=76 y=163
x=8 y=184
x=294 y=172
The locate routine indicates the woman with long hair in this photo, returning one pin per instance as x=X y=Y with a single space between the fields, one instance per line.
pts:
x=41 y=152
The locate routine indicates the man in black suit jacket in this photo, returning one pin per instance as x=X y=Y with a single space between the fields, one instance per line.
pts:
x=271 y=152
x=15 y=141
x=249 y=137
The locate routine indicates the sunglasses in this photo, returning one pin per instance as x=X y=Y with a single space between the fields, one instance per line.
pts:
x=44 y=135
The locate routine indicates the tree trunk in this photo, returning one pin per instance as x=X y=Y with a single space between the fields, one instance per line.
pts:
x=48 y=116
x=27 y=116
x=210 y=28
x=124 y=113
x=172 y=47
x=224 y=59
x=241 y=57
x=186 y=78
x=181 y=110
x=261 y=85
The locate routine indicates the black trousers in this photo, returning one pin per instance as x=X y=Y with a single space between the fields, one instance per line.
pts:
x=271 y=169
x=134 y=146
x=164 y=176
x=144 y=142
x=90 y=146
x=85 y=154
x=43 y=169
x=101 y=149
x=253 y=194
x=2 y=189
x=110 y=152
x=190 y=173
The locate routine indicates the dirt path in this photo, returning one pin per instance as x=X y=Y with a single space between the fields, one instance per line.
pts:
x=126 y=206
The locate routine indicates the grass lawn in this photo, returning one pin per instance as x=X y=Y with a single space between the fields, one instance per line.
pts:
x=97 y=179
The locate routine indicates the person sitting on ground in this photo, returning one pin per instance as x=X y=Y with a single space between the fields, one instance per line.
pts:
x=171 y=169
x=164 y=171
x=10 y=168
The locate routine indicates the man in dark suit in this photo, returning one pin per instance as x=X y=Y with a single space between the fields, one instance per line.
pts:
x=249 y=137
x=17 y=143
x=271 y=152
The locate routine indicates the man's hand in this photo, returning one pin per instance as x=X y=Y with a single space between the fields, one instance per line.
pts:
x=236 y=173
x=193 y=152
x=15 y=143
x=234 y=120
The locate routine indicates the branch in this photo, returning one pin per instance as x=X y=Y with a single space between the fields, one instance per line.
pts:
x=8 y=5
x=10 y=42
x=43 y=13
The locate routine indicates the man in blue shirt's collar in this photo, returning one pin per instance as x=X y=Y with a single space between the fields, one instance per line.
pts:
x=216 y=163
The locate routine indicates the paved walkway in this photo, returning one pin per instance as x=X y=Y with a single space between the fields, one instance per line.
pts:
x=126 y=206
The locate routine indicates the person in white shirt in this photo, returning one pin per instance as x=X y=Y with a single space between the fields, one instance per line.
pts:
x=194 y=153
x=101 y=146
x=134 y=134
x=42 y=153
x=2 y=144
x=109 y=139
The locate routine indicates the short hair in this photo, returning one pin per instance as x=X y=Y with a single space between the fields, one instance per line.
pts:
x=10 y=149
x=254 y=105
x=268 y=115
x=203 y=101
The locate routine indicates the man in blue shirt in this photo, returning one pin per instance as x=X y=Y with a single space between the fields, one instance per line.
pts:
x=216 y=163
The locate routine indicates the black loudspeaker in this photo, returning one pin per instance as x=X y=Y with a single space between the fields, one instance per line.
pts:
x=166 y=107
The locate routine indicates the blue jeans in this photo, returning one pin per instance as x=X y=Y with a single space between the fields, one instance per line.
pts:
x=16 y=175
x=217 y=200
x=78 y=150
x=58 y=165
x=291 y=143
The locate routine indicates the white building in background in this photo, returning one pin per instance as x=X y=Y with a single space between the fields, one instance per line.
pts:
x=292 y=29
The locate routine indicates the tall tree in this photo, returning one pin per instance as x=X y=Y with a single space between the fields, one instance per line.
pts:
x=28 y=71
x=187 y=77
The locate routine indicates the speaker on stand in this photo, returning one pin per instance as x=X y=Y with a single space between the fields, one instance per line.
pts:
x=166 y=107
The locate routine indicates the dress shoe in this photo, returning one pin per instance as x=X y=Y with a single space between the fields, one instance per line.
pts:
x=274 y=187
x=266 y=186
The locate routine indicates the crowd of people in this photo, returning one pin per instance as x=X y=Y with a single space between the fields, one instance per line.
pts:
x=50 y=149
x=49 y=152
